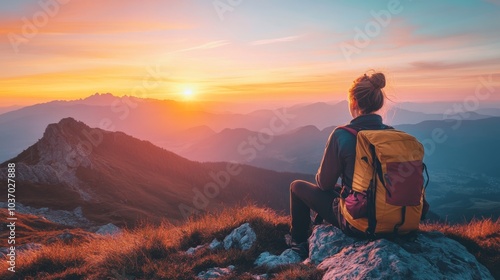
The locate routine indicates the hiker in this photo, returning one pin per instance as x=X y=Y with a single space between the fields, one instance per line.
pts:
x=339 y=204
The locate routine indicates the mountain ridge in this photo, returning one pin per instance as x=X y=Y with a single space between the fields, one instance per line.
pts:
x=118 y=178
x=132 y=115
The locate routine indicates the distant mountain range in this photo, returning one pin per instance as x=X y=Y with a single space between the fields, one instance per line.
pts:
x=178 y=125
x=461 y=156
x=9 y=108
x=299 y=150
x=120 y=179
x=490 y=108
x=449 y=144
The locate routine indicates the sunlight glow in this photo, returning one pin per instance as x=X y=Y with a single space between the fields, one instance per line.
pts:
x=186 y=47
x=188 y=93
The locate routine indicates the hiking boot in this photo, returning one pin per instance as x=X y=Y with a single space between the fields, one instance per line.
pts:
x=302 y=249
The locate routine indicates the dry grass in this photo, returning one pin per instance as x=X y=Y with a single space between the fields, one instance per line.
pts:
x=480 y=237
x=299 y=272
x=157 y=252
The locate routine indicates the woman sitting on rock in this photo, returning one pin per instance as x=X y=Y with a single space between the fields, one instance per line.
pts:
x=365 y=97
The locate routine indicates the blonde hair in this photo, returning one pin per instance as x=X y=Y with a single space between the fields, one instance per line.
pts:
x=367 y=92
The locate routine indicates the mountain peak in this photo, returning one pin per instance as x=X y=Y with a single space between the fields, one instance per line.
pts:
x=66 y=135
x=102 y=171
x=99 y=99
x=69 y=121
x=54 y=159
x=97 y=94
x=304 y=130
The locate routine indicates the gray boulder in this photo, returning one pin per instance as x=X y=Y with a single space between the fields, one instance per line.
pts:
x=66 y=236
x=271 y=261
x=108 y=229
x=193 y=250
x=242 y=238
x=215 y=244
x=216 y=272
x=20 y=249
x=429 y=256
x=326 y=241
x=73 y=218
x=29 y=247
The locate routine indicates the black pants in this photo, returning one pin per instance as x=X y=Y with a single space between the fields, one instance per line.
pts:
x=305 y=196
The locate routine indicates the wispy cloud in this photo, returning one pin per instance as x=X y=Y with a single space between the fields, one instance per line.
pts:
x=209 y=45
x=275 y=40
x=87 y=17
x=454 y=65
x=112 y=42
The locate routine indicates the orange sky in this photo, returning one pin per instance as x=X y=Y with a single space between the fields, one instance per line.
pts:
x=260 y=51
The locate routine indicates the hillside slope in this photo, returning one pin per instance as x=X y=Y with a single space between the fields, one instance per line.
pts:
x=120 y=179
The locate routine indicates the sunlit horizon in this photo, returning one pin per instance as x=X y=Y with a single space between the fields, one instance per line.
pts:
x=251 y=52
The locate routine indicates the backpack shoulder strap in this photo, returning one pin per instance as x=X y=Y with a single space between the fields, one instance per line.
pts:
x=351 y=129
x=354 y=130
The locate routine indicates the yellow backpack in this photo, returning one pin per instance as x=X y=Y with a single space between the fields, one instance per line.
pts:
x=388 y=171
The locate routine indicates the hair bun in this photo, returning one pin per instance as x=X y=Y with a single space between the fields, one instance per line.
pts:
x=378 y=80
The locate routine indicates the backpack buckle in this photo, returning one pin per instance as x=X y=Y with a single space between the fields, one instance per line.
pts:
x=345 y=192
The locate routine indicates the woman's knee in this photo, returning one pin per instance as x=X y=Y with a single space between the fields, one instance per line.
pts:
x=300 y=186
x=295 y=185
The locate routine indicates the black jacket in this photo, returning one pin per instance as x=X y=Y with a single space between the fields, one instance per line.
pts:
x=340 y=152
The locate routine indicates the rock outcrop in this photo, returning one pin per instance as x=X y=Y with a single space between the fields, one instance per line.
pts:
x=428 y=256
x=108 y=229
x=326 y=241
x=215 y=244
x=56 y=156
x=216 y=272
x=271 y=261
x=73 y=218
x=193 y=250
x=21 y=249
x=242 y=238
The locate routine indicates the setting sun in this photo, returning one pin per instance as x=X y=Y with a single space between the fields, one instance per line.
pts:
x=188 y=93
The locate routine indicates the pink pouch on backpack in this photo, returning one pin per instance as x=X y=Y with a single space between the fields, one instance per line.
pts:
x=357 y=205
